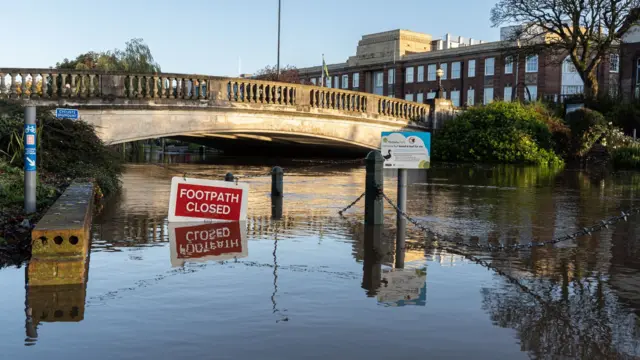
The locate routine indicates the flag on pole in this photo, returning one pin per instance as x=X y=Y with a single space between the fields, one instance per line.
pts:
x=325 y=71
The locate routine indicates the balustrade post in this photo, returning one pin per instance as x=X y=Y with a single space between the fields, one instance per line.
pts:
x=201 y=89
x=45 y=85
x=74 y=89
x=34 y=86
x=54 y=85
x=13 y=91
x=170 y=93
x=3 y=87
x=24 y=86
x=155 y=86
x=91 y=86
x=140 y=79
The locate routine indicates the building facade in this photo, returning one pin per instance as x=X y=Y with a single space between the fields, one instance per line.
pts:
x=404 y=64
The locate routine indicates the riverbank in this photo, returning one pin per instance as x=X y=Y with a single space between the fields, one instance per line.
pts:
x=67 y=150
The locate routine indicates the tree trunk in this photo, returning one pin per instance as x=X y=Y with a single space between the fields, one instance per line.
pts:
x=591 y=86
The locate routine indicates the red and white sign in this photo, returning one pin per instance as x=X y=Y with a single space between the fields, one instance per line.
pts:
x=207 y=242
x=200 y=200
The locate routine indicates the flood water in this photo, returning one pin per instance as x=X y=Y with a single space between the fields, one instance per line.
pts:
x=309 y=285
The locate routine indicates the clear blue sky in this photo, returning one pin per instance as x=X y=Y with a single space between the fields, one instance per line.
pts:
x=209 y=36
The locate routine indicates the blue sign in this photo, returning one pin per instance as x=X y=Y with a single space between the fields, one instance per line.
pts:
x=72 y=114
x=30 y=147
x=406 y=150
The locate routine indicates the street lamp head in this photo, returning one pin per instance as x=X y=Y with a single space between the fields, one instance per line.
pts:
x=439 y=72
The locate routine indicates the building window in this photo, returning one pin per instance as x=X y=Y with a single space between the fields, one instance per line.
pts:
x=392 y=76
x=445 y=69
x=313 y=81
x=472 y=68
x=532 y=94
x=420 y=73
x=345 y=81
x=420 y=98
x=508 y=92
x=489 y=66
x=508 y=65
x=455 y=70
x=532 y=64
x=328 y=81
x=336 y=83
x=471 y=97
x=614 y=63
x=568 y=66
x=444 y=94
x=488 y=96
x=408 y=97
x=409 y=75
x=455 y=98
x=378 y=79
x=431 y=72
x=356 y=80
x=431 y=95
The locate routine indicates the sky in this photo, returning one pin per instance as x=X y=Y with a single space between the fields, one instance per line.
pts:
x=225 y=38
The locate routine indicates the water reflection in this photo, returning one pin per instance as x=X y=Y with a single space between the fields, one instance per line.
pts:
x=207 y=242
x=580 y=299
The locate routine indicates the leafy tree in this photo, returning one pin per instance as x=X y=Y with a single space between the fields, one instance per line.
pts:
x=288 y=74
x=136 y=57
x=583 y=29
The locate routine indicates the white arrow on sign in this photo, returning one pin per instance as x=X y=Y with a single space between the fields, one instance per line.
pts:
x=31 y=162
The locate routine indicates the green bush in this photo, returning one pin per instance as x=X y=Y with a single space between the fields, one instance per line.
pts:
x=66 y=148
x=497 y=133
x=586 y=128
x=625 y=116
x=626 y=157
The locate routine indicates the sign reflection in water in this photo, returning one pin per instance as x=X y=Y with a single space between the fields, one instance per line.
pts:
x=401 y=287
x=207 y=242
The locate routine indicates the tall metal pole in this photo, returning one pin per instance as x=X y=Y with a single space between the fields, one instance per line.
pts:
x=278 y=64
x=401 y=222
x=30 y=159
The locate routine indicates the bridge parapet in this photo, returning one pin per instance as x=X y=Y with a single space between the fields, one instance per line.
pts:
x=91 y=87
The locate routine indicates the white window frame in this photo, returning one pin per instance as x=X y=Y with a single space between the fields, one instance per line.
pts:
x=534 y=94
x=489 y=66
x=455 y=70
x=336 y=82
x=531 y=65
x=445 y=68
x=471 y=97
x=420 y=73
x=507 y=94
x=356 y=80
x=345 y=81
x=376 y=77
x=486 y=98
x=614 y=63
x=471 y=72
x=431 y=72
x=455 y=98
x=408 y=76
x=508 y=65
x=391 y=76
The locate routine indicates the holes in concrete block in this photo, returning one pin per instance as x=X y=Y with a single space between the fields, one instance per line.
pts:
x=58 y=314
x=58 y=240
x=43 y=239
x=73 y=240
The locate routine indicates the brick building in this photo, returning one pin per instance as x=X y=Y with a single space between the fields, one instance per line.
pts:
x=401 y=63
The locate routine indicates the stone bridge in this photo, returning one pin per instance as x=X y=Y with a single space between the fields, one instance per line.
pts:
x=226 y=113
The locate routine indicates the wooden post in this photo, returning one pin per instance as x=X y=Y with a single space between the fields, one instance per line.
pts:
x=373 y=201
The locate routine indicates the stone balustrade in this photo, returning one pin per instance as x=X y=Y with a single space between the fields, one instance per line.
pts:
x=56 y=84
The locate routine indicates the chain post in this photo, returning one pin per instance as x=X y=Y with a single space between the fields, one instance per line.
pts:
x=373 y=204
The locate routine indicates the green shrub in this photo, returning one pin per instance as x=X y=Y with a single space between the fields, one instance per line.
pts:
x=626 y=157
x=497 y=133
x=626 y=116
x=586 y=128
x=66 y=148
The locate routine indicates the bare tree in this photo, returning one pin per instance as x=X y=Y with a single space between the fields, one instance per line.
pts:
x=586 y=30
x=288 y=74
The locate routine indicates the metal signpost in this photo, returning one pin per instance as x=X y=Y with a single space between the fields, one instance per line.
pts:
x=402 y=151
x=30 y=139
x=197 y=200
x=72 y=114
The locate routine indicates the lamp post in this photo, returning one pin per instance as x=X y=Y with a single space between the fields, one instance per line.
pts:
x=278 y=64
x=440 y=74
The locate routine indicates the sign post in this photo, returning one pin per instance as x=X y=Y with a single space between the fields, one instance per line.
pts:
x=30 y=139
x=402 y=151
x=72 y=114
x=197 y=200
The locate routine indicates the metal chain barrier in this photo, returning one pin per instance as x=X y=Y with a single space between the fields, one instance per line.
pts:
x=603 y=224
x=352 y=204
